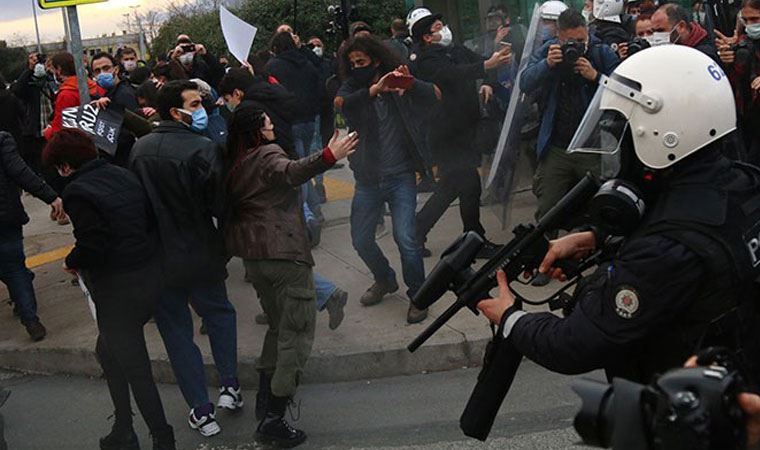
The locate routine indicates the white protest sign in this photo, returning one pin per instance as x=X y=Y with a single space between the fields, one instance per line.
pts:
x=237 y=33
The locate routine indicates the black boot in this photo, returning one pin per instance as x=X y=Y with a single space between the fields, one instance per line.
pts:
x=122 y=437
x=164 y=440
x=274 y=430
x=262 y=396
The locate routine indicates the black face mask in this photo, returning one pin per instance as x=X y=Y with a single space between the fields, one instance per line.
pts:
x=364 y=75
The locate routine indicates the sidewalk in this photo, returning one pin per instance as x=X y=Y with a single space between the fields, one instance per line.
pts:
x=370 y=343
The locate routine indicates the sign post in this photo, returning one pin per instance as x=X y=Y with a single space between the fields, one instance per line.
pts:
x=74 y=39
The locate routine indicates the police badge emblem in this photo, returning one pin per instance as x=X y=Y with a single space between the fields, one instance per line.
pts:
x=626 y=302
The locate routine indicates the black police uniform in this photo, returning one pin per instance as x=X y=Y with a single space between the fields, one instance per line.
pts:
x=693 y=260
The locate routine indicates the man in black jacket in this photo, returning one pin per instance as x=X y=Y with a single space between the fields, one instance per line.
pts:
x=197 y=61
x=14 y=176
x=455 y=70
x=180 y=170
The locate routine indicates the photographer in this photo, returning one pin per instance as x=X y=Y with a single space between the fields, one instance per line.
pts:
x=742 y=62
x=196 y=61
x=566 y=72
x=683 y=278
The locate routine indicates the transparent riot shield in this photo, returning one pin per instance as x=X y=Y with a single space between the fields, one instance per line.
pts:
x=509 y=180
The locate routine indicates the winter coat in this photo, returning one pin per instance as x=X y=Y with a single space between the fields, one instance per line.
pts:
x=14 y=176
x=68 y=97
x=296 y=73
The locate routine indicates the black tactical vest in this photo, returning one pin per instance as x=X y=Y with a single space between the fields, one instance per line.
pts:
x=714 y=210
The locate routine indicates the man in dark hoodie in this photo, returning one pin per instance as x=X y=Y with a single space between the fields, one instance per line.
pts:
x=300 y=77
x=240 y=85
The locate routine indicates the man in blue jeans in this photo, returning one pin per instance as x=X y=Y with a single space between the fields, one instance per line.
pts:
x=388 y=121
x=14 y=176
x=180 y=170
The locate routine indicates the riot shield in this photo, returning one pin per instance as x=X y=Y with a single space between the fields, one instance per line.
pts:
x=513 y=164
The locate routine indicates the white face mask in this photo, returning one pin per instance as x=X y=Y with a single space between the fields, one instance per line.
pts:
x=446 y=36
x=39 y=70
x=319 y=51
x=186 y=58
x=659 y=38
x=586 y=15
x=129 y=65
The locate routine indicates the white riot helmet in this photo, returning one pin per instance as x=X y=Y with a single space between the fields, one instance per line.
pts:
x=415 y=15
x=674 y=100
x=609 y=10
x=552 y=9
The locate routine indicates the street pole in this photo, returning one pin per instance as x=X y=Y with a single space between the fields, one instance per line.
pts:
x=66 y=30
x=36 y=26
x=75 y=38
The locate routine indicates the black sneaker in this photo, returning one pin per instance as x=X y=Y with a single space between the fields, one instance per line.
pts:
x=376 y=292
x=274 y=430
x=120 y=438
x=425 y=252
x=335 y=305
x=36 y=330
x=489 y=250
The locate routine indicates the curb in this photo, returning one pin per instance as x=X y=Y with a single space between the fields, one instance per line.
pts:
x=321 y=368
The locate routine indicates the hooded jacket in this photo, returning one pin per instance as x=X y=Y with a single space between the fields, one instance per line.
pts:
x=301 y=77
x=280 y=105
x=68 y=97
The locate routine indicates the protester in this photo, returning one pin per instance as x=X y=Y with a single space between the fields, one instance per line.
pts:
x=265 y=226
x=116 y=254
x=294 y=72
x=327 y=72
x=16 y=175
x=743 y=69
x=196 y=61
x=119 y=97
x=399 y=40
x=181 y=172
x=359 y=29
x=68 y=93
x=644 y=28
x=566 y=91
x=389 y=119
x=454 y=69
x=35 y=88
x=128 y=61
x=674 y=24
x=499 y=29
x=217 y=126
x=11 y=112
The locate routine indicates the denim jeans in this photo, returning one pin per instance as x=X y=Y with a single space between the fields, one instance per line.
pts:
x=400 y=192
x=325 y=288
x=176 y=327
x=303 y=138
x=15 y=275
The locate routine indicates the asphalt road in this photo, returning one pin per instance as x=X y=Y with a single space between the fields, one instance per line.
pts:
x=414 y=412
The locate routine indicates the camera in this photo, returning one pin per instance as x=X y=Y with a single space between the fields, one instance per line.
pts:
x=571 y=51
x=743 y=51
x=636 y=45
x=686 y=408
x=188 y=48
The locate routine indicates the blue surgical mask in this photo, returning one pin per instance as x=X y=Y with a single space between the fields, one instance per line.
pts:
x=105 y=80
x=200 y=119
x=753 y=31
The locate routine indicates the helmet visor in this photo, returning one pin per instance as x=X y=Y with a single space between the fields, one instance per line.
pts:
x=601 y=130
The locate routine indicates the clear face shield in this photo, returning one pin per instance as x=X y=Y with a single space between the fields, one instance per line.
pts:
x=604 y=126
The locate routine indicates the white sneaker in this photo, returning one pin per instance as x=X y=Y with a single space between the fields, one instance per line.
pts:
x=230 y=399
x=206 y=425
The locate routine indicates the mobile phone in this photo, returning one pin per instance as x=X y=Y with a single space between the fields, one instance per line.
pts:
x=353 y=134
x=505 y=45
x=402 y=82
x=188 y=48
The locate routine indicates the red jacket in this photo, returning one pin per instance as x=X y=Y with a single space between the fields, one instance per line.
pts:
x=68 y=97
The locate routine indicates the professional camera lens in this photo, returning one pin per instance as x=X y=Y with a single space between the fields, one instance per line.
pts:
x=595 y=421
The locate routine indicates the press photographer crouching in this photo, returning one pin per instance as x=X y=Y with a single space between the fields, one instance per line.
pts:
x=116 y=254
x=683 y=278
x=741 y=57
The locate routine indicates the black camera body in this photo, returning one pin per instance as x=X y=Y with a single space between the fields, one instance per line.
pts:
x=636 y=45
x=686 y=408
x=744 y=51
x=571 y=51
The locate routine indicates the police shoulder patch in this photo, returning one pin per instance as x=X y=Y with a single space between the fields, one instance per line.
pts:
x=626 y=302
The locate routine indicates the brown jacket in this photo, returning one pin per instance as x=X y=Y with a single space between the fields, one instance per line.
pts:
x=265 y=218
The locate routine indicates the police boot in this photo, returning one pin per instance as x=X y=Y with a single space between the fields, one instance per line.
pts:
x=274 y=430
x=262 y=396
x=122 y=437
x=164 y=440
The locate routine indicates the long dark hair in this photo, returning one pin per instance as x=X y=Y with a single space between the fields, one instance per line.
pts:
x=372 y=47
x=243 y=135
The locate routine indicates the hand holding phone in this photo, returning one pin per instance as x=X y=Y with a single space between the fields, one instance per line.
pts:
x=402 y=82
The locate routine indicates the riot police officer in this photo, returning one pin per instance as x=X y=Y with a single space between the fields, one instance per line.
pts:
x=685 y=276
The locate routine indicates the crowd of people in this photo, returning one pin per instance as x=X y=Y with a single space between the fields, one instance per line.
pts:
x=215 y=161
